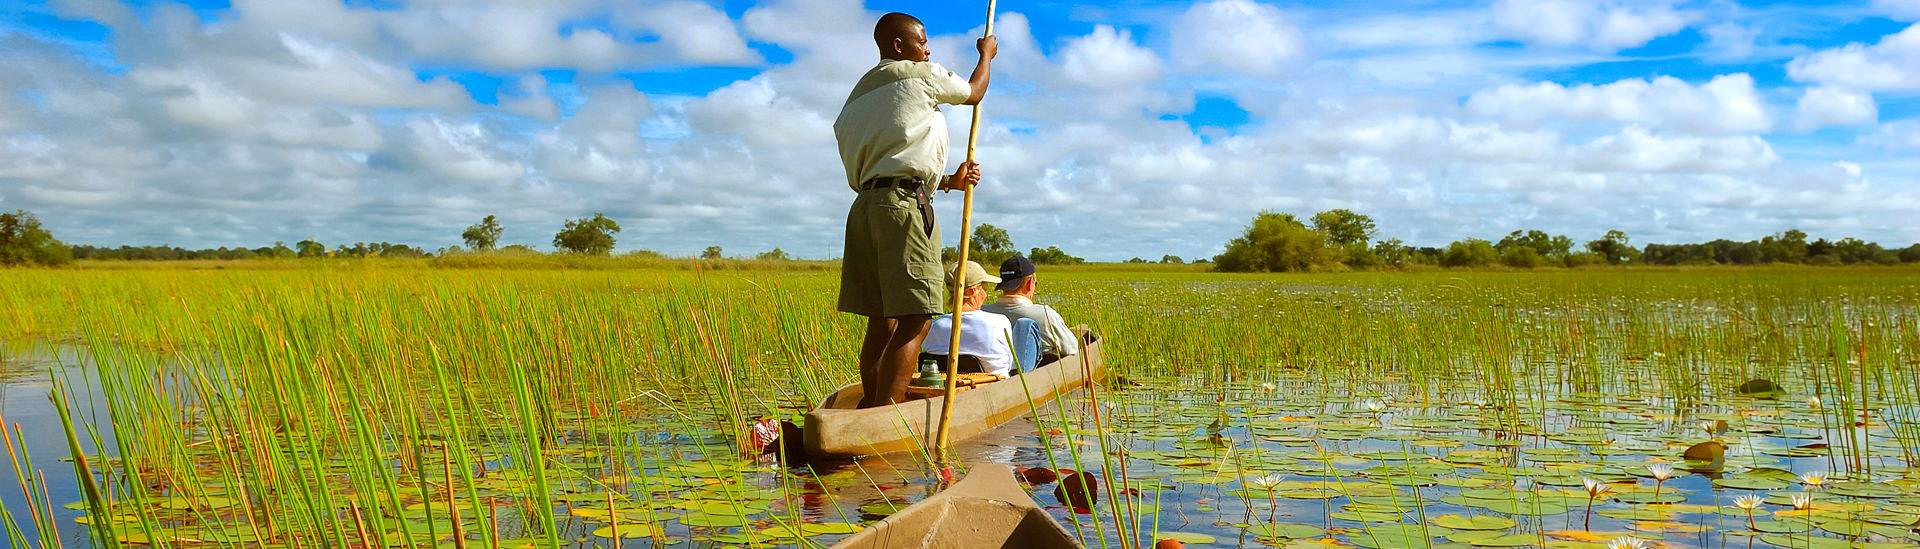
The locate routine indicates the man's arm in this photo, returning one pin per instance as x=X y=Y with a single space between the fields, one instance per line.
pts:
x=982 y=71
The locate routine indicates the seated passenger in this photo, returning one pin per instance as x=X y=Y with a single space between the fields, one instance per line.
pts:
x=983 y=335
x=1049 y=337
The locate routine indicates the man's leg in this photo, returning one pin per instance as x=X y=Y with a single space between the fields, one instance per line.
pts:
x=1026 y=343
x=902 y=357
x=879 y=331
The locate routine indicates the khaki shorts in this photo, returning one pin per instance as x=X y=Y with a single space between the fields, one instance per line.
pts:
x=891 y=264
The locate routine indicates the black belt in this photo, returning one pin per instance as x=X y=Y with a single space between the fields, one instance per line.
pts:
x=902 y=182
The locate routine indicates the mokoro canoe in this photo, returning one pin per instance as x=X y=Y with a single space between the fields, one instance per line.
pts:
x=983 y=511
x=838 y=429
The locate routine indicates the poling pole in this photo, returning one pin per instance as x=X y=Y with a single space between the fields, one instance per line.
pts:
x=959 y=277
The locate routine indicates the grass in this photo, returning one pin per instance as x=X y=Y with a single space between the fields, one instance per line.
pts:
x=337 y=402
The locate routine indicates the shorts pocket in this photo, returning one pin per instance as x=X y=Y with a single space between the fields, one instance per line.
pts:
x=930 y=271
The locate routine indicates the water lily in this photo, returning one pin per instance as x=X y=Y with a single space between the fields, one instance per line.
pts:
x=1813 y=403
x=1264 y=482
x=1814 y=480
x=1594 y=489
x=1661 y=472
x=1627 y=543
x=1374 y=406
x=1802 y=501
x=1269 y=386
x=1748 y=503
x=1709 y=427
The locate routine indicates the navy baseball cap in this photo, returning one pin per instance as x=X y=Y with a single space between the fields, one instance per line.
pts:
x=1014 y=271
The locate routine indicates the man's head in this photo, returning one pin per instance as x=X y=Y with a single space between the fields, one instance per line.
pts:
x=976 y=280
x=901 y=37
x=1016 y=276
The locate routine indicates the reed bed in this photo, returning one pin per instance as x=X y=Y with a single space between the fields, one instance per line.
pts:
x=408 y=406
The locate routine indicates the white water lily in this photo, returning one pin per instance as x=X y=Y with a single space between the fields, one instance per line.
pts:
x=1374 y=406
x=1595 y=488
x=1627 y=543
x=1813 y=403
x=1802 y=501
x=1269 y=386
x=1264 y=482
x=1660 y=471
x=1709 y=427
x=1814 y=479
x=1748 y=502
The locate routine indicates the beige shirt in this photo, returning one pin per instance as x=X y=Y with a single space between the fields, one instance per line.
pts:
x=1055 y=337
x=891 y=125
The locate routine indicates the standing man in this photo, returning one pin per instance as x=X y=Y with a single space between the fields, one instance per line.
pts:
x=893 y=143
x=1053 y=340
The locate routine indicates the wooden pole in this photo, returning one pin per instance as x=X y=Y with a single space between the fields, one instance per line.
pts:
x=959 y=278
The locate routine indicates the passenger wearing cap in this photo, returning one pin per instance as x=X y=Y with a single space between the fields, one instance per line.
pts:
x=983 y=335
x=1038 y=330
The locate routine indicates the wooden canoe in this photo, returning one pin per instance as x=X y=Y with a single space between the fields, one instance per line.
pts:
x=986 y=510
x=838 y=429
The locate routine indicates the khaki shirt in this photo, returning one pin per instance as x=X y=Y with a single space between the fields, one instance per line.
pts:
x=891 y=125
x=1055 y=337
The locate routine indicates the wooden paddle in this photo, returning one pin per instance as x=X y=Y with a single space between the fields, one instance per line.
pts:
x=959 y=276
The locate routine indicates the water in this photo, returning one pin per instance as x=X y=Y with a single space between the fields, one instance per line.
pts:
x=1276 y=461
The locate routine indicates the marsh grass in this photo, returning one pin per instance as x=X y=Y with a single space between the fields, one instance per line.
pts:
x=411 y=403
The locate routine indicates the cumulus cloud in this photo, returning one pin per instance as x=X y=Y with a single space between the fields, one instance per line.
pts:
x=1108 y=58
x=1905 y=10
x=1236 y=37
x=1602 y=25
x=1893 y=64
x=1825 y=106
x=1725 y=104
x=315 y=118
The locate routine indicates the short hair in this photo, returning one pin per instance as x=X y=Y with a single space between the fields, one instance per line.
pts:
x=893 y=25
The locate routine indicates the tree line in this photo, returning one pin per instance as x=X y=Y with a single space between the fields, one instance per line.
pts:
x=1344 y=239
x=1273 y=242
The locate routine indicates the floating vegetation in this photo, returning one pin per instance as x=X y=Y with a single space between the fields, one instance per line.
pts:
x=428 y=408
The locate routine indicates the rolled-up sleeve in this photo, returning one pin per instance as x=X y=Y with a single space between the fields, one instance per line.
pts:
x=947 y=86
x=1065 y=343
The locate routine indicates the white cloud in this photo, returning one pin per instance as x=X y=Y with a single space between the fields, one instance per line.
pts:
x=1601 y=25
x=1108 y=59
x=463 y=151
x=1635 y=149
x=1905 y=10
x=1900 y=135
x=696 y=32
x=1236 y=37
x=1826 y=106
x=1893 y=64
x=1726 y=104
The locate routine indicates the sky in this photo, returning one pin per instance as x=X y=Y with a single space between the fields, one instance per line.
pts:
x=1113 y=129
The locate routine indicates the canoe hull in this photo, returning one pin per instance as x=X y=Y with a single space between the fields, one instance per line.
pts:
x=984 y=511
x=836 y=429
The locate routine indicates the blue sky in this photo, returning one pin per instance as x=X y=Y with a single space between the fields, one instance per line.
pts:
x=1115 y=129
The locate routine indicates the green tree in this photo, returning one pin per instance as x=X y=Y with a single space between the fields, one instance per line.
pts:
x=990 y=245
x=1472 y=252
x=24 y=242
x=775 y=254
x=712 y=253
x=1393 y=253
x=588 y=236
x=310 y=248
x=1614 y=248
x=1786 y=247
x=1345 y=228
x=1172 y=260
x=1052 y=255
x=1277 y=242
x=483 y=236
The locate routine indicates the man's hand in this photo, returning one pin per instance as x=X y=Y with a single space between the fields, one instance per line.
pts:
x=963 y=178
x=988 y=46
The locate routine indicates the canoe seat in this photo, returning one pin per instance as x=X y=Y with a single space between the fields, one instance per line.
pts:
x=964 y=383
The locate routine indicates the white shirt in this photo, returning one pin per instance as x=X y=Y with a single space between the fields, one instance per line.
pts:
x=891 y=124
x=982 y=334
